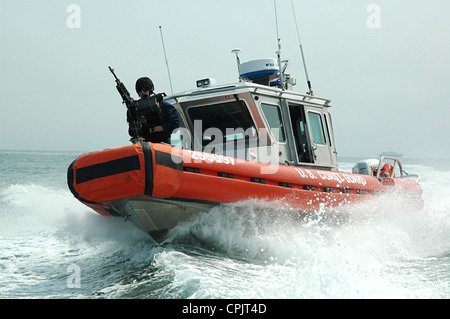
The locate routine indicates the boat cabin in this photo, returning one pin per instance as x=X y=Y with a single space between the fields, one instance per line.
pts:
x=255 y=120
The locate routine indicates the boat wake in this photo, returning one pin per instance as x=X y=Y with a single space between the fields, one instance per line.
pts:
x=369 y=251
x=376 y=249
x=271 y=234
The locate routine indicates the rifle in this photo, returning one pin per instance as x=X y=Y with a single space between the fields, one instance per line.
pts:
x=139 y=110
x=131 y=104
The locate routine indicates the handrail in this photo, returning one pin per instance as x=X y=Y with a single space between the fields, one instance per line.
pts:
x=256 y=88
x=396 y=160
x=403 y=173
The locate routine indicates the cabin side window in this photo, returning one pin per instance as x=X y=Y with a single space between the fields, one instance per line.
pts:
x=273 y=117
x=327 y=128
x=316 y=127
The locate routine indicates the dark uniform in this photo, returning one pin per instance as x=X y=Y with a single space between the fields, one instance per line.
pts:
x=166 y=116
x=163 y=114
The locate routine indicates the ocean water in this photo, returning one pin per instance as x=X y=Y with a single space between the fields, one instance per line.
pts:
x=52 y=246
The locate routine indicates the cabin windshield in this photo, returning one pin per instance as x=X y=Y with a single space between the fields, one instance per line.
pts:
x=222 y=123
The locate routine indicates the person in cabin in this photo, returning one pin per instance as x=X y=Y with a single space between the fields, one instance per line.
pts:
x=158 y=125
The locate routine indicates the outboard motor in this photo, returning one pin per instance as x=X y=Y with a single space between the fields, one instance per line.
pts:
x=366 y=167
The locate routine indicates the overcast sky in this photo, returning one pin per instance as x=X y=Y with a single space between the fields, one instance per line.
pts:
x=387 y=74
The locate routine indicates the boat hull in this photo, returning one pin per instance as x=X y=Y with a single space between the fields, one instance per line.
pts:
x=156 y=186
x=157 y=216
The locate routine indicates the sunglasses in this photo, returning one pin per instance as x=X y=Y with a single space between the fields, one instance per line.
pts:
x=144 y=89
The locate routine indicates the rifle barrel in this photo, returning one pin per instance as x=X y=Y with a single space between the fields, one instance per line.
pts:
x=112 y=71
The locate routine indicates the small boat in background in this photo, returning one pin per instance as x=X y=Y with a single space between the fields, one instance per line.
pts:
x=391 y=154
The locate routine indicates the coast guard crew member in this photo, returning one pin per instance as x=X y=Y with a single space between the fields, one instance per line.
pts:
x=158 y=127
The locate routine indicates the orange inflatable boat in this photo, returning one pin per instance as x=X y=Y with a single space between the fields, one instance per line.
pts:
x=236 y=142
x=158 y=186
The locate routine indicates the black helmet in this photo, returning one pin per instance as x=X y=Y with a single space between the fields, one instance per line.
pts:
x=144 y=84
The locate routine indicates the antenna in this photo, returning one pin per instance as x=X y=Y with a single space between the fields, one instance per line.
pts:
x=279 y=46
x=165 y=56
x=237 y=51
x=301 y=51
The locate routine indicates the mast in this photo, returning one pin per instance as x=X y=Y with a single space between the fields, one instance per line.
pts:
x=279 y=47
